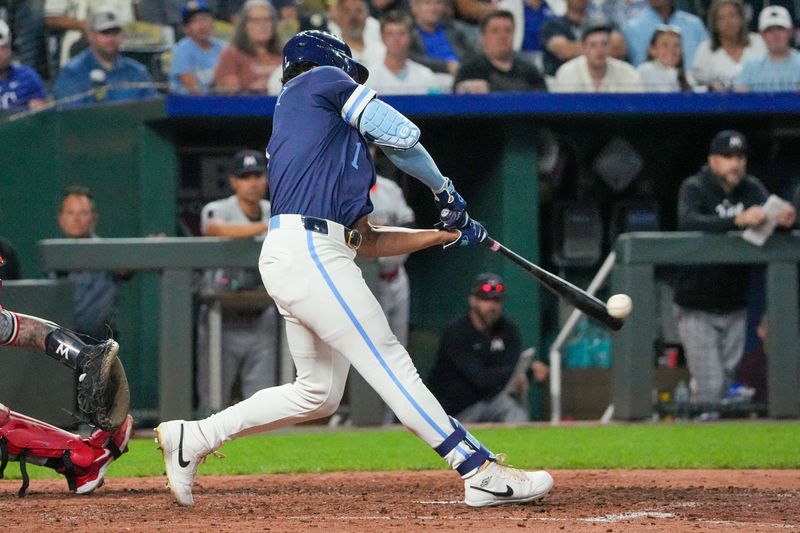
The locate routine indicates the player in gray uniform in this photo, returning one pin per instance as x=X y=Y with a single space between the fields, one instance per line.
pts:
x=249 y=336
x=390 y=209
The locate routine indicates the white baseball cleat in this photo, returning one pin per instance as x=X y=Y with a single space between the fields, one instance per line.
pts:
x=183 y=448
x=499 y=484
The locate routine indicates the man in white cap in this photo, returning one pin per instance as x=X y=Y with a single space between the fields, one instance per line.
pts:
x=21 y=87
x=101 y=73
x=71 y=19
x=779 y=69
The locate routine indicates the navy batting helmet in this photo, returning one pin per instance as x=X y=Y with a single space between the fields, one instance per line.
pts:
x=323 y=49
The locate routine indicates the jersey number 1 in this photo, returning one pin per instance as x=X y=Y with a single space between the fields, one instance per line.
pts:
x=354 y=162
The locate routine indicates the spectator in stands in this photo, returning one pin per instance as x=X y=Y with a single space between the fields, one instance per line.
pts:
x=196 y=55
x=26 y=19
x=640 y=29
x=439 y=44
x=249 y=333
x=498 y=68
x=779 y=69
x=595 y=71
x=720 y=57
x=561 y=37
x=711 y=301
x=663 y=71
x=529 y=17
x=621 y=11
x=21 y=87
x=101 y=73
x=473 y=376
x=350 y=20
x=246 y=64
x=397 y=74
x=94 y=291
x=73 y=18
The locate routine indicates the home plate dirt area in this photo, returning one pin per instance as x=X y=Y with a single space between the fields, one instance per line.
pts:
x=582 y=500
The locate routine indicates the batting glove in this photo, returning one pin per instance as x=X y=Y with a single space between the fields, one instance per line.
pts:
x=471 y=235
x=452 y=207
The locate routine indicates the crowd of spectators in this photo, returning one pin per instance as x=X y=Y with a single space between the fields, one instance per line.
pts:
x=89 y=50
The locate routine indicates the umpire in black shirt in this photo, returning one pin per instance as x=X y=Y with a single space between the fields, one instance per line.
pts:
x=476 y=359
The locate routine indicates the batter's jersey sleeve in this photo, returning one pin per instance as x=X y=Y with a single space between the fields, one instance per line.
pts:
x=336 y=88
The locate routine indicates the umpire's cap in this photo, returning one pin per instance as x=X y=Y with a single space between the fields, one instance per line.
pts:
x=249 y=162
x=488 y=286
x=323 y=49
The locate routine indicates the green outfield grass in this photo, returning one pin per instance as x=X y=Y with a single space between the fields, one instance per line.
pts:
x=676 y=445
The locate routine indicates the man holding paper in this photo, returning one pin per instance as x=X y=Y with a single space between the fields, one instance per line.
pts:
x=711 y=300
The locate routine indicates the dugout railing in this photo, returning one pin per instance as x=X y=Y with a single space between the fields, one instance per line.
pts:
x=637 y=257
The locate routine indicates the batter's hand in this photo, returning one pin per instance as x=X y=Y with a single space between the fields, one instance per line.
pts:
x=452 y=207
x=471 y=235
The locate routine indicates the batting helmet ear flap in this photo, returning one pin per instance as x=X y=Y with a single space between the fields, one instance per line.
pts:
x=322 y=49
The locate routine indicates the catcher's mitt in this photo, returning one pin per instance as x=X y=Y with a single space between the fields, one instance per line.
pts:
x=103 y=394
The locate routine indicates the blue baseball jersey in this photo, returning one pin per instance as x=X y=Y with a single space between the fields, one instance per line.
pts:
x=319 y=164
x=21 y=85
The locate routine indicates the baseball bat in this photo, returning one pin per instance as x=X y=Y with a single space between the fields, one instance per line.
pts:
x=579 y=298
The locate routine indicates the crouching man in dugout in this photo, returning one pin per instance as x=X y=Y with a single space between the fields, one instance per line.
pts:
x=103 y=400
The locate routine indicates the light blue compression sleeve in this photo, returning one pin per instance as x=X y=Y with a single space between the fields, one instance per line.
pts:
x=417 y=162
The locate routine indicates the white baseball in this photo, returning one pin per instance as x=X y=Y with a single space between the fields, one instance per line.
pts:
x=619 y=305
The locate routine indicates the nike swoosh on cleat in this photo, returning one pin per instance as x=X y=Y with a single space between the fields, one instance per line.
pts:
x=183 y=463
x=508 y=492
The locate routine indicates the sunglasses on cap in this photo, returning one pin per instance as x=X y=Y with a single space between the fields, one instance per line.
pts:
x=489 y=290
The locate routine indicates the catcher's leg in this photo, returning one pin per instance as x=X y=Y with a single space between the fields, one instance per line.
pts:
x=82 y=462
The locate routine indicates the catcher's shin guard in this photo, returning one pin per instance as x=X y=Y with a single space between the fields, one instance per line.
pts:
x=28 y=440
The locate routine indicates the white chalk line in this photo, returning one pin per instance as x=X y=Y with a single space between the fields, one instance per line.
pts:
x=623 y=517
x=609 y=518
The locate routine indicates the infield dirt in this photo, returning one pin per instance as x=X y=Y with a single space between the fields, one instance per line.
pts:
x=583 y=501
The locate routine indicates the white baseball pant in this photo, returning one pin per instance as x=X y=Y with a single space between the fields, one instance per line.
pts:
x=332 y=321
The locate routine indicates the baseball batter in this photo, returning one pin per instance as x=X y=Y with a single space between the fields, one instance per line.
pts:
x=320 y=175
